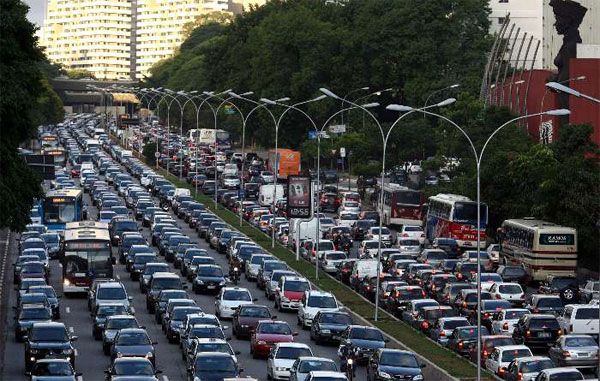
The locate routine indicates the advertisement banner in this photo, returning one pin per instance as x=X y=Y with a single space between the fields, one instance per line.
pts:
x=299 y=197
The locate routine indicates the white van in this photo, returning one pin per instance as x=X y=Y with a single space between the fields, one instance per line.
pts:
x=365 y=267
x=230 y=169
x=580 y=319
x=265 y=194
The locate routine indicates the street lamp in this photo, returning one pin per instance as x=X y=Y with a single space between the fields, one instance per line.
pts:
x=548 y=88
x=346 y=96
x=557 y=86
x=453 y=86
x=287 y=108
x=478 y=158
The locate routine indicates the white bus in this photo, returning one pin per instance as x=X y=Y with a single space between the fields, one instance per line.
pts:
x=401 y=205
x=542 y=248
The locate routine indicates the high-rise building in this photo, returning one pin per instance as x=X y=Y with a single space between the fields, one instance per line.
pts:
x=122 y=39
x=89 y=34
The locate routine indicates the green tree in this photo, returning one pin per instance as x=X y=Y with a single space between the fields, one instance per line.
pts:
x=24 y=91
x=148 y=152
x=80 y=74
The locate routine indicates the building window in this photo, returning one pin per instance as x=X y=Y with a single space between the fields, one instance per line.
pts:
x=501 y=20
x=503 y=1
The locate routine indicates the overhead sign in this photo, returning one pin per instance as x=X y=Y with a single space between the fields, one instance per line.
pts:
x=299 y=197
x=337 y=128
x=312 y=135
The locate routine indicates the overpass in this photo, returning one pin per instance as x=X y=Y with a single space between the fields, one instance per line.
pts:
x=77 y=96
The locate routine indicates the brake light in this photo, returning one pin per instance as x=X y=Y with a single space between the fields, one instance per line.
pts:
x=505 y=326
x=536 y=310
x=423 y=293
x=485 y=353
x=425 y=325
x=559 y=332
x=498 y=296
x=404 y=234
x=486 y=315
x=528 y=333
x=442 y=333
x=566 y=354
x=464 y=304
x=519 y=376
x=461 y=344
x=501 y=372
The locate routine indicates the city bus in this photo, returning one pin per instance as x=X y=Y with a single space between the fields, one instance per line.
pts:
x=401 y=205
x=542 y=248
x=59 y=154
x=86 y=255
x=60 y=207
x=454 y=216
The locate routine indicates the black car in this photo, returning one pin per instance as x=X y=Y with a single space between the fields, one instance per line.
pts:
x=28 y=315
x=251 y=191
x=327 y=326
x=513 y=274
x=360 y=228
x=48 y=340
x=209 y=278
x=345 y=270
x=329 y=176
x=133 y=342
x=566 y=287
x=175 y=321
x=213 y=366
x=53 y=299
x=537 y=331
x=101 y=313
x=141 y=369
x=364 y=340
x=120 y=226
x=386 y=364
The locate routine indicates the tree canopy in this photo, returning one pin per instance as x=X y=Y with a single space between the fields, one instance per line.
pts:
x=27 y=100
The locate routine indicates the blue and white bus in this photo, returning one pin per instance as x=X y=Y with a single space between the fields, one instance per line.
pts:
x=60 y=207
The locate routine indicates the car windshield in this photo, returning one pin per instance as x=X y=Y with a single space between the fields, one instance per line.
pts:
x=587 y=313
x=32 y=267
x=54 y=368
x=206 y=364
x=467 y=333
x=563 y=282
x=239 y=295
x=35 y=314
x=297 y=286
x=260 y=312
x=121 y=323
x=535 y=366
x=308 y=366
x=111 y=293
x=210 y=271
x=398 y=359
x=207 y=332
x=437 y=255
x=335 y=256
x=51 y=238
x=40 y=334
x=514 y=271
x=544 y=323
x=274 y=329
x=166 y=283
x=131 y=368
x=510 y=289
x=132 y=338
x=581 y=341
x=566 y=375
x=508 y=356
x=341 y=319
x=550 y=302
x=413 y=229
x=325 y=246
x=514 y=314
x=258 y=259
x=48 y=291
x=292 y=352
x=180 y=313
x=214 y=347
x=366 y=334
x=322 y=301
x=116 y=309
x=140 y=259
x=149 y=270
x=202 y=261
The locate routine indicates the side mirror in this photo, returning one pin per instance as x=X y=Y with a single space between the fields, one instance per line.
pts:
x=142 y=326
x=130 y=298
x=237 y=352
x=274 y=317
x=422 y=365
x=78 y=374
x=74 y=338
x=228 y=339
x=107 y=371
x=185 y=286
x=154 y=342
x=225 y=327
x=255 y=300
x=27 y=373
x=386 y=340
x=240 y=370
x=158 y=371
x=113 y=260
x=294 y=333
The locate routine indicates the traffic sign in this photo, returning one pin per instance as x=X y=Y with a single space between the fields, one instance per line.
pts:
x=157 y=154
x=342 y=152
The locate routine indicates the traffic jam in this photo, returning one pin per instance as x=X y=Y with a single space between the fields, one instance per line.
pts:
x=164 y=276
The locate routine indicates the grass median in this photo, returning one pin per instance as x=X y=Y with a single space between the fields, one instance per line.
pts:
x=445 y=359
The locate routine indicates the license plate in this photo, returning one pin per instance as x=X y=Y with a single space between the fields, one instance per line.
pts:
x=544 y=334
x=325 y=331
x=211 y=287
x=79 y=275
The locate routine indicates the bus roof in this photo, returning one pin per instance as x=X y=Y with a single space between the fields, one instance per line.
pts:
x=86 y=225
x=64 y=193
x=449 y=198
x=534 y=224
x=87 y=234
x=391 y=187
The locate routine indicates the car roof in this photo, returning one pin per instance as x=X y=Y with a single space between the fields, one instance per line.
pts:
x=292 y=345
x=511 y=347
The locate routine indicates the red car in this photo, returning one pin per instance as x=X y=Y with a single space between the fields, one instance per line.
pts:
x=76 y=171
x=267 y=334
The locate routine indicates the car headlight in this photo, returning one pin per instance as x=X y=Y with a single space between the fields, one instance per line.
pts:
x=33 y=351
x=385 y=375
x=67 y=351
x=418 y=377
x=280 y=369
x=284 y=299
x=119 y=354
x=261 y=342
x=199 y=281
x=149 y=355
x=222 y=283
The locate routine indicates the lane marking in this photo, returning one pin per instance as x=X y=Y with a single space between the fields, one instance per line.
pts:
x=118 y=277
x=71 y=330
x=3 y=262
x=68 y=310
x=165 y=378
x=75 y=352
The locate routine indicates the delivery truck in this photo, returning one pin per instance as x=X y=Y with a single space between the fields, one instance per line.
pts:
x=289 y=163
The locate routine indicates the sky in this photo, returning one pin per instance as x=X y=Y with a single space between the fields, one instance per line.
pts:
x=37 y=9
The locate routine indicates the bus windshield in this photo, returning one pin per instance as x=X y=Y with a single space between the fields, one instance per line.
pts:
x=95 y=262
x=63 y=212
x=467 y=211
x=408 y=198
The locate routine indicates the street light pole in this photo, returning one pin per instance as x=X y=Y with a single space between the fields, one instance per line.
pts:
x=346 y=96
x=579 y=78
x=478 y=158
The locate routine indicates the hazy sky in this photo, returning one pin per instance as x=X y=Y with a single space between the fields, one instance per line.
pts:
x=37 y=9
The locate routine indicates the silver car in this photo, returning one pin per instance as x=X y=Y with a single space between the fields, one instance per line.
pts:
x=112 y=326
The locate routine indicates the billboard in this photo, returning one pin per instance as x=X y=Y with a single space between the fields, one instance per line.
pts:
x=299 y=200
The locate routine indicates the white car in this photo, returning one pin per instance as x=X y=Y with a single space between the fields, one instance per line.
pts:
x=312 y=302
x=229 y=299
x=513 y=292
x=386 y=235
x=347 y=218
x=267 y=177
x=369 y=247
x=415 y=168
x=331 y=260
x=326 y=375
x=559 y=374
x=505 y=320
x=499 y=359
x=350 y=206
x=282 y=357
x=409 y=245
x=253 y=265
x=230 y=181
x=527 y=368
x=412 y=231
x=325 y=246
x=487 y=280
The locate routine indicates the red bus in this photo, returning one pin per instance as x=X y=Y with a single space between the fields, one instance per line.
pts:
x=454 y=216
x=401 y=205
